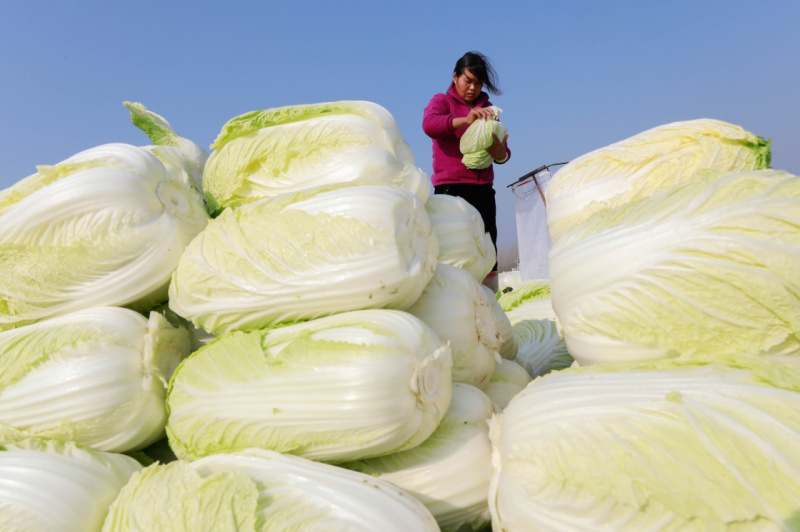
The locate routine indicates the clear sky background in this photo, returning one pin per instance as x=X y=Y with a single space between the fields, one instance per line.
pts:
x=576 y=75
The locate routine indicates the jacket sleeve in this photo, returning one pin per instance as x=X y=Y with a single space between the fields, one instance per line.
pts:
x=437 y=122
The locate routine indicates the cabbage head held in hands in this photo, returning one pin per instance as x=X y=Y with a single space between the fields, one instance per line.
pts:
x=478 y=137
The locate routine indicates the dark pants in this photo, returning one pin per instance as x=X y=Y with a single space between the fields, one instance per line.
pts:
x=482 y=198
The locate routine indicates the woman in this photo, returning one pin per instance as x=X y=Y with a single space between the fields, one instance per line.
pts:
x=446 y=118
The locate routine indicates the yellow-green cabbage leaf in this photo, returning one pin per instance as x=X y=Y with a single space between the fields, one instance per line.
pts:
x=509 y=378
x=657 y=159
x=96 y=376
x=463 y=240
x=54 y=485
x=450 y=471
x=541 y=347
x=105 y=227
x=343 y=387
x=305 y=255
x=287 y=149
x=262 y=491
x=708 y=268
x=667 y=446
x=454 y=305
x=478 y=137
x=528 y=300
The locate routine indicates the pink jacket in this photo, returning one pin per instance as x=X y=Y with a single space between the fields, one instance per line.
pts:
x=437 y=122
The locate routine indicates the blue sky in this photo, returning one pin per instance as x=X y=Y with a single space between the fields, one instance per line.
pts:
x=576 y=75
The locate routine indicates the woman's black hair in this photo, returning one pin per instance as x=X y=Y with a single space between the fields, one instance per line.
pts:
x=481 y=68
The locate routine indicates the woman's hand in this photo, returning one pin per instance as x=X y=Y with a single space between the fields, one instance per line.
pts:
x=480 y=113
x=476 y=113
x=498 y=150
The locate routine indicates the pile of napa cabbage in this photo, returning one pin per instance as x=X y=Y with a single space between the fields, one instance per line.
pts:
x=290 y=333
x=248 y=339
x=674 y=286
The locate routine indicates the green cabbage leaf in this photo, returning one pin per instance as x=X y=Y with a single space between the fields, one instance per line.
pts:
x=541 y=347
x=528 y=300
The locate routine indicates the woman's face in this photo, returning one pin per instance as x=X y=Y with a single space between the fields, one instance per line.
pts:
x=467 y=85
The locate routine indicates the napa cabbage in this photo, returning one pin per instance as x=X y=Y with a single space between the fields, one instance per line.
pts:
x=657 y=159
x=105 y=227
x=508 y=343
x=182 y=156
x=707 y=445
x=541 y=347
x=305 y=255
x=454 y=305
x=707 y=268
x=342 y=387
x=479 y=136
x=463 y=240
x=287 y=149
x=260 y=491
x=509 y=378
x=528 y=300
x=450 y=471
x=96 y=376
x=54 y=485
